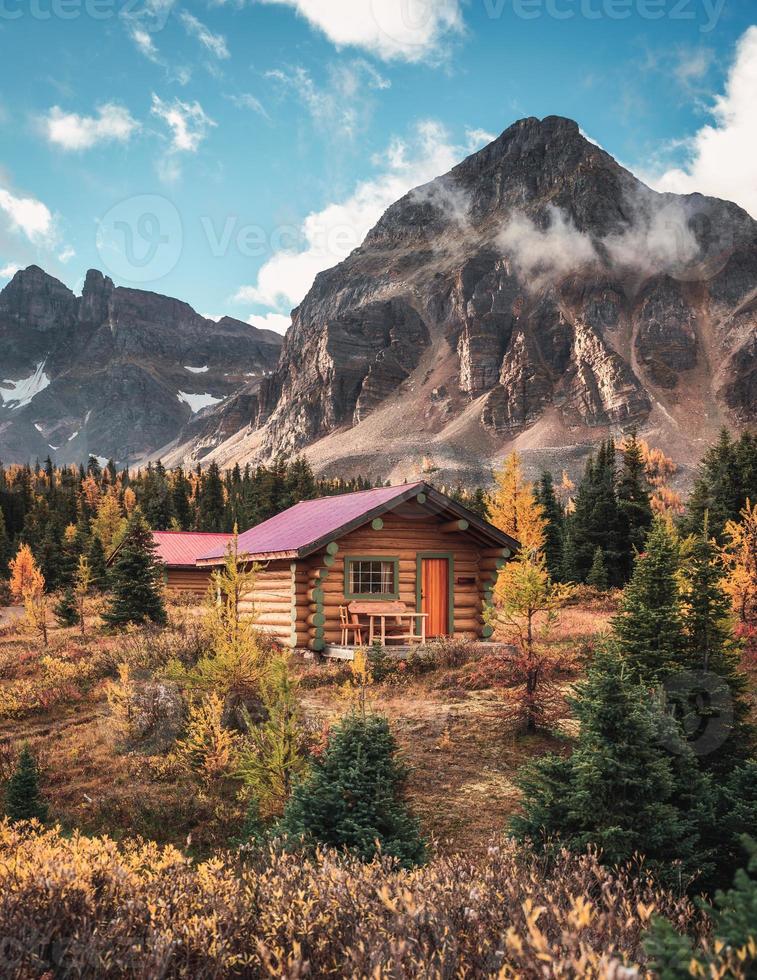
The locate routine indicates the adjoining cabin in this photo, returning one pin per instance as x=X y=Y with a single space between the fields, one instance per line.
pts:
x=404 y=564
x=178 y=552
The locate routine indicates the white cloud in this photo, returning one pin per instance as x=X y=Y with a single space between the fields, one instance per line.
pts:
x=541 y=254
x=188 y=122
x=342 y=106
x=29 y=216
x=411 y=30
x=721 y=154
x=476 y=138
x=271 y=321
x=70 y=131
x=329 y=235
x=214 y=43
x=67 y=254
x=244 y=100
x=9 y=271
x=144 y=42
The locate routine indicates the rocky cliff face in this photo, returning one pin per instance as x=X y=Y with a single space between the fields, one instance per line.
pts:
x=116 y=372
x=538 y=295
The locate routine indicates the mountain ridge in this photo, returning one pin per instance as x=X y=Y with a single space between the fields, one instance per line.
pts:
x=114 y=372
x=538 y=296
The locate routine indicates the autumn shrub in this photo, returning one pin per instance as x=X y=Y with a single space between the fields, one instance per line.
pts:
x=88 y=907
x=67 y=675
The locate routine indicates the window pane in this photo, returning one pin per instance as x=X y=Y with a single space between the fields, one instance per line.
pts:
x=371 y=577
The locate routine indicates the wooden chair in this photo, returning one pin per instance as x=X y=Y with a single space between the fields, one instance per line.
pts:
x=350 y=623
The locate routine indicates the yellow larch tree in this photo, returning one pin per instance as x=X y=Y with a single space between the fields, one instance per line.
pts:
x=513 y=507
x=740 y=558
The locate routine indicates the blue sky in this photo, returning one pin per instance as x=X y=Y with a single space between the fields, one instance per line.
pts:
x=223 y=151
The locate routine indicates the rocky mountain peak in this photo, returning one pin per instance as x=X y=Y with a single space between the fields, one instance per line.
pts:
x=539 y=295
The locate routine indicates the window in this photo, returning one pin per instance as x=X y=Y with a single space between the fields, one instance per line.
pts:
x=371 y=578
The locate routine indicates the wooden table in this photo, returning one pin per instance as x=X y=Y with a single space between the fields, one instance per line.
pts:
x=383 y=610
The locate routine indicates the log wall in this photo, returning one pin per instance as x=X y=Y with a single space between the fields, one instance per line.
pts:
x=194 y=580
x=272 y=601
x=475 y=572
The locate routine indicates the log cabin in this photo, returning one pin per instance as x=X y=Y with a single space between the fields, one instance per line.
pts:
x=178 y=551
x=404 y=564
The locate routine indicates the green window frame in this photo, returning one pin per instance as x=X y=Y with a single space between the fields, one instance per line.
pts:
x=351 y=560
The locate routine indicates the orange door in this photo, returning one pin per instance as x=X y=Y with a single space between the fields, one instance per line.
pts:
x=435 y=595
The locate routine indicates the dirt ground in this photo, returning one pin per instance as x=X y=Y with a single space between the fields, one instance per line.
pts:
x=462 y=759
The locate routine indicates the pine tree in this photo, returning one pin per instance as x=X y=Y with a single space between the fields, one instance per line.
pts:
x=633 y=501
x=630 y=786
x=136 y=578
x=598 y=576
x=97 y=565
x=23 y=800
x=596 y=521
x=211 y=515
x=649 y=626
x=65 y=609
x=553 y=531
x=353 y=796
x=272 y=760
x=710 y=699
x=5 y=546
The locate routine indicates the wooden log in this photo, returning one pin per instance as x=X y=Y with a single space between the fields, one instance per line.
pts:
x=449 y=527
x=316 y=619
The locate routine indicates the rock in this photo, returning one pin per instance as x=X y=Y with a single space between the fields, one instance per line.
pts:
x=105 y=370
x=157 y=715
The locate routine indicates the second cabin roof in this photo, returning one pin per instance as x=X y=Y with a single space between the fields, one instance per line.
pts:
x=310 y=525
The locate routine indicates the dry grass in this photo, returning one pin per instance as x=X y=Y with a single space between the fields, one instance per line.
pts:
x=462 y=758
x=87 y=908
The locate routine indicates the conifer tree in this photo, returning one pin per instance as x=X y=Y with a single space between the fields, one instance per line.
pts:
x=513 y=507
x=353 y=796
x=553 y=530
x=633 y=501
x=23 y=800
x=649 y=626
x=272 y=759
x=598 y=576
x=136 y=578
x=630 y=786
x=5 y=546
x=211 y=514
x=98 y=569
x=65 y=609
x=711 y=701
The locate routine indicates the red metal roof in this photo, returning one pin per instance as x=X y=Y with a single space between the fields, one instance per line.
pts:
x=294 y=530
x=174 y=548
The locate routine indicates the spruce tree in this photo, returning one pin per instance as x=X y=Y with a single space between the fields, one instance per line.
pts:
x=136 y=594
x=598 y=576
x=711 y=697
x=23 y=800
x=211 y=514
x=6 y=551
x=553 y=514
x=631 y=785
x=633 y=502
x=596 y=521
x=66 y=610
x=97 y=565
x=353 y=796
x=649 y=626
